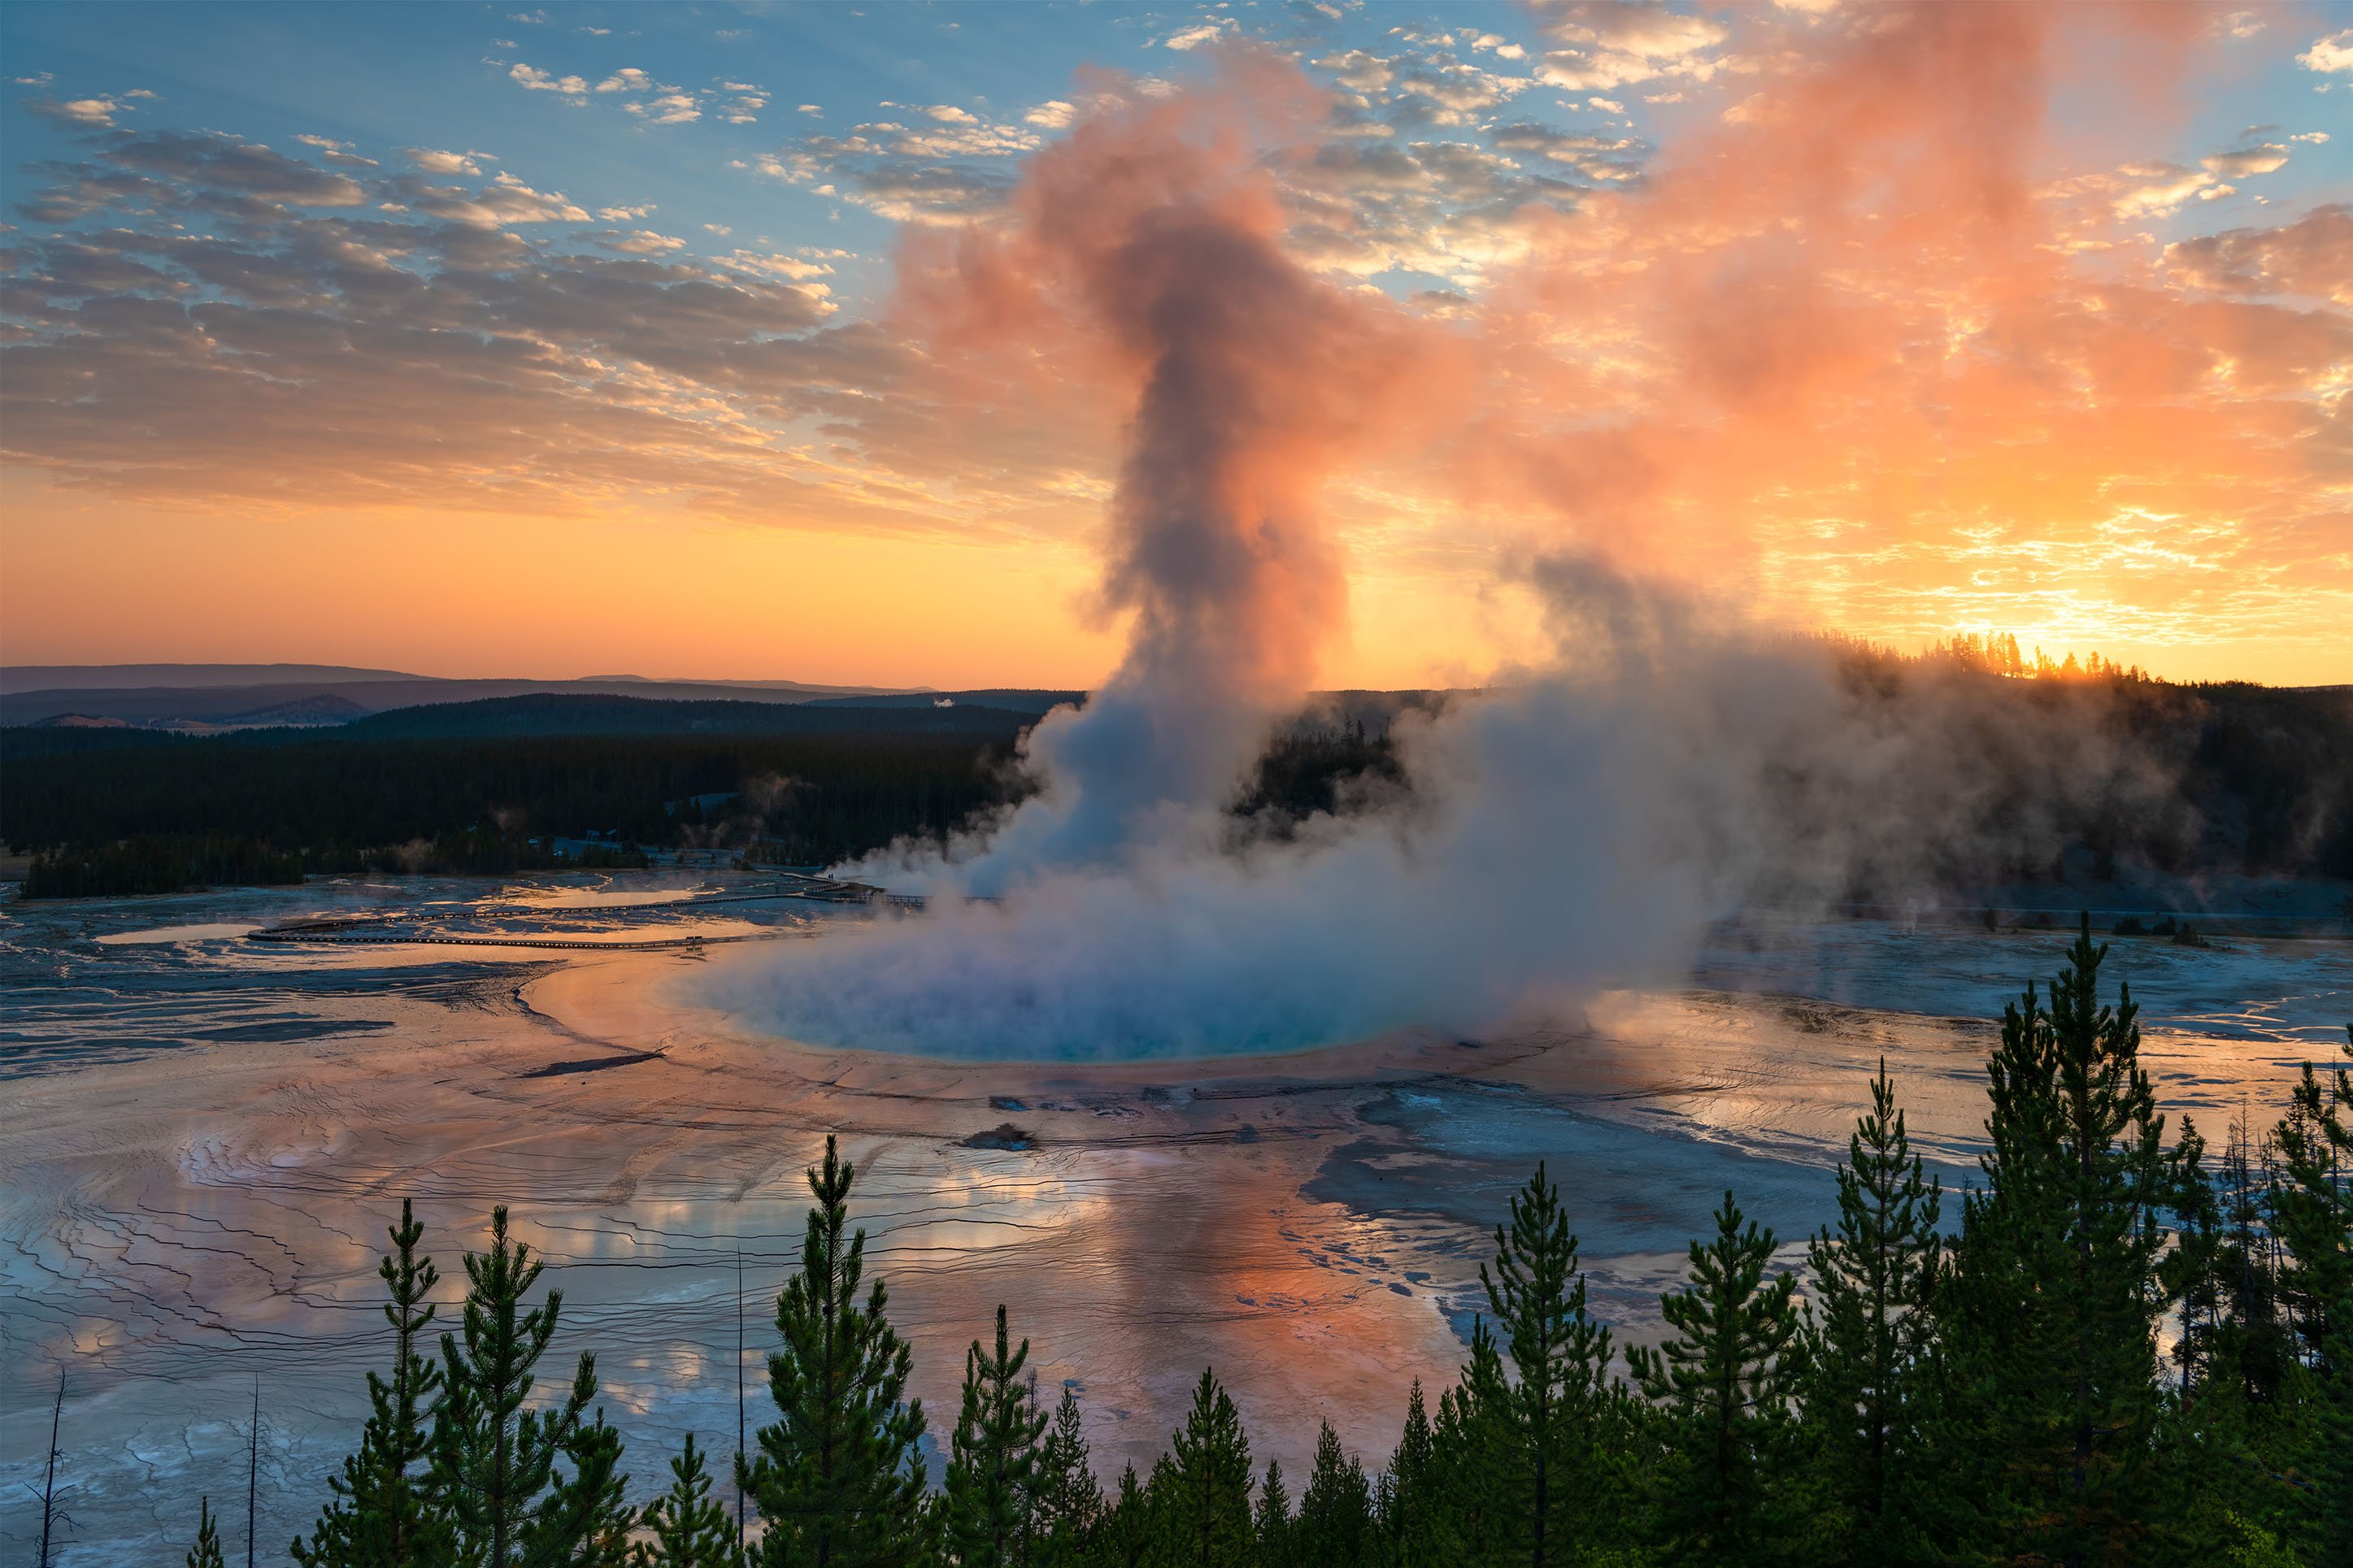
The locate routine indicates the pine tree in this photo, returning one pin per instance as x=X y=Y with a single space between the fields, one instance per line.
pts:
x=2315 y=1205
x=2260 y=1355
x=691 y=1527
x=1127 y=1536
x=586 y=1521
x=2192 y=1273
x=838 y=1478
x=1272 y=1522
x=1201 y=1491
x=2057 y=1297
x=1872 y=1333
x=1068 y=1500
x=1412 y=1498
x=2314 y=1216
x=993 y=1457
x=1335 y=1528
x=206 y=1551
x=378 y=1515
x=495 y=1475
x=2208 y=1433
x=1470 y=1439
x=1723 y=1386
x=1550 y=1417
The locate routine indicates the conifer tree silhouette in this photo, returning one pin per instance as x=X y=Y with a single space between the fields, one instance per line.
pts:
x=837 y=1477
x=206 y=1551
x=1872 y=1334
x=379 y=1513
x=993 y=1457
x=1723 y=1385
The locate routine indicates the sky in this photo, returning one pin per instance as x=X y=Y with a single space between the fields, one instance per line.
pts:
x=668 y=339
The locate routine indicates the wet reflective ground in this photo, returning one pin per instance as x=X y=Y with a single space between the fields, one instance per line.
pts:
x=204 y=1136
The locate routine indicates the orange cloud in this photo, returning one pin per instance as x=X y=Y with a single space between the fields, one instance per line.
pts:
x=1853 y=356
x=1880 y=345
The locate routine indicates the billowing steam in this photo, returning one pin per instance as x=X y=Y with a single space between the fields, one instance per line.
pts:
x=1574 y=827
x=1561 y=834
x=1155 y=237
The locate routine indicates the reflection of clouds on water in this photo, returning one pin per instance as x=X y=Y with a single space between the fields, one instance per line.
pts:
x=205 y=1142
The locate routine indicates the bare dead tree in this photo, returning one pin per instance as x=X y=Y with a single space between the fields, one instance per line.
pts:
x=50 y=1484
x=252 y=1474
x=739 y=1392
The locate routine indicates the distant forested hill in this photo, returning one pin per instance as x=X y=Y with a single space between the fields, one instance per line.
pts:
x=1927 y=775
x=481 y=780
x=1979 y=778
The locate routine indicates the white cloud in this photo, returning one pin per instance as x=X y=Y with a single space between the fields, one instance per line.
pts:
x=2313 y=136
x=1201 y=32
x=641 y=242
x=2255 y=158
x=623 y=215
x=141 y=92
x=1054 y=114
x=628 y=78
x=2333 y=53
x=721 y=229
x=874 y=168
x=336 y=152
x=1608 y=160
x=2155 y=190
x=433 y=162
x=810 y=109
x=672 y=108
x=87 y=113
x=505 y=200
x=534 y=79
x=791 y=268
x=1360 y=70
x=1613 y=44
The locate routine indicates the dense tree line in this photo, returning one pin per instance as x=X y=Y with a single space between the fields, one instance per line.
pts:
x=475 y=804
x=159 y=864
x=1318 y=766
x=2131 y=1349
x=110 y=814
x=169 y=864
x=2224 y=776
x=1935 y=772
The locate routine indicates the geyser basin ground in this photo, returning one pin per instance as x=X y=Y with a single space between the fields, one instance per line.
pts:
x=203 y=1137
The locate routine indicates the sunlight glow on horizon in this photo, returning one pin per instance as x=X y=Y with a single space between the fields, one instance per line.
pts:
x=1780 y=309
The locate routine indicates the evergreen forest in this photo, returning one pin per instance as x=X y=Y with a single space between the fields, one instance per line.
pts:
x=1927 y=769
x=2118 y=1343
x=103 y=813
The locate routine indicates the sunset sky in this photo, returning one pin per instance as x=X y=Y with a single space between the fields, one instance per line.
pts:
x=592 y=339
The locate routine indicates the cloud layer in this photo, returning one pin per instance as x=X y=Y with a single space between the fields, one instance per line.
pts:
x=1822 y=298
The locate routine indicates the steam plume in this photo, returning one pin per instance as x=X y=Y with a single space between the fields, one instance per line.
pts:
x=1153 y=236
x=1576 y=825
